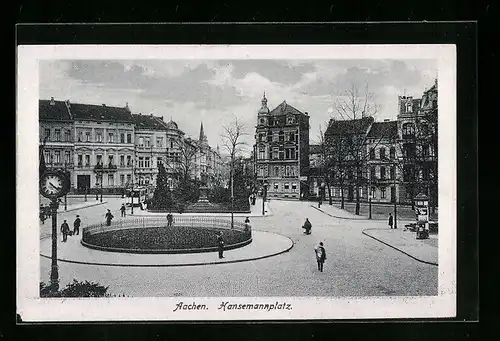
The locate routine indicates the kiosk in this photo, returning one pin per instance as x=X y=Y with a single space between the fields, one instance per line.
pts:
x=422 y=216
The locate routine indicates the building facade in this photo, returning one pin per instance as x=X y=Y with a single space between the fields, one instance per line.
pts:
x=57 y=136
x=104 y=147
x=418 y=145
x=383 y=169
x=281 y=151
x=156 y=141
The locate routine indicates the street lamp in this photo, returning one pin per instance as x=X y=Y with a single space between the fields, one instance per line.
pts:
x=320 y=194
x=264 y=195
x=395 y=206
x=370 y=194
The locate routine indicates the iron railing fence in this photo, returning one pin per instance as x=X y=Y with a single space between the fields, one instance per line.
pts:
x=147 y=222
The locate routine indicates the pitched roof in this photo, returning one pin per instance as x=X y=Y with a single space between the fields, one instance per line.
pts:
x=314 y=149
x=149 y=122
x=284 y=108
x=91 y=112
x=57 y=111
x=349 y=127
x=384 y=130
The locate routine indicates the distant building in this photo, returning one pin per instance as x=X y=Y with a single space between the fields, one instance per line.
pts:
x=282 y=150
x=57 y=135
x=207 y=161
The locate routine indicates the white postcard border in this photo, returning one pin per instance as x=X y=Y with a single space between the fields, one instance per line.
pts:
x=32 y=308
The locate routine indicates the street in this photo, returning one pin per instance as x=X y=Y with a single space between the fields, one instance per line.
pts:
x=356 y=265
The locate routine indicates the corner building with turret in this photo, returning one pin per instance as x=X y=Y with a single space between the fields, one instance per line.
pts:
x=281 y=151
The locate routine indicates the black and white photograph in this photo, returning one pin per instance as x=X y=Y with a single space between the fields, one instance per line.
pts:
x=236 y=182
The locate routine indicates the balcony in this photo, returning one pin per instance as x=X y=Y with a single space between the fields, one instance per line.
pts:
x=83 y=165
x=100 y=168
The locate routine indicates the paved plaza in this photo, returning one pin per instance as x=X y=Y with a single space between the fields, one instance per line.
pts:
x=357 y=264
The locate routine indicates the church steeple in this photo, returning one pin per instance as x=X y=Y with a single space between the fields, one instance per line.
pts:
x=203 y=138
x=264 y=109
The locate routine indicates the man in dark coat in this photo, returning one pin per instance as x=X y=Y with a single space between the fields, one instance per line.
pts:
x=307 y=226
x=391 y=220
x=320 y=256
x=123 y=210
x=65 y=231
x=220 y=245
x=109 y=217
x=76 y=225
x=170 y=219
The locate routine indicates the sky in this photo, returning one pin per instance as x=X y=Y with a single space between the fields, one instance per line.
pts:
x=216 y=92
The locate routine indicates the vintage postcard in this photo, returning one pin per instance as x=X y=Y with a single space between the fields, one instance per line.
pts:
x=236 y=182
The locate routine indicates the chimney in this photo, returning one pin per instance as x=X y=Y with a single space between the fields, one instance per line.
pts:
x=140 y=114
x=151 y=115
x=307 y=114
x=386 y=120
x=161 y=118
x=103 y=105
x=52 y=102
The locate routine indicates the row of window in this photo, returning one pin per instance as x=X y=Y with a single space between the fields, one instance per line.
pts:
x=56 y=157
x=110 y=180
x=285 y=187
x=382 y=173
x=336 y=192
x=280 y=136
x=277 y=154
x=277 y=121
x=382 y=154
x=146 y=142
x=278 y=171
x=86 y=136
x=60 y=135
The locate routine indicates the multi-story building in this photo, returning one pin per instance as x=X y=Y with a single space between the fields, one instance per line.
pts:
x=282 y=150
x=57 y=135
x=418 y=136
x=104 y=147
x=156 y=141
x=383 y=170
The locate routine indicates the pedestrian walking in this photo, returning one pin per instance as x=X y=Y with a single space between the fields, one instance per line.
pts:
x=247 y=224
x=220 y=245
x=320 y=256
x=65 y=231
x=391 y=220
x=123 y=210
x=170 y=219
x=109 y=217
x=76 y=225
x=307 y=226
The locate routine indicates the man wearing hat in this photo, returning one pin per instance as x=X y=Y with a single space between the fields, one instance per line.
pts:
x=76 y=225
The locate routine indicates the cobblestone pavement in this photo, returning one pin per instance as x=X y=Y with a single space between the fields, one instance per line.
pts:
x=356 y=265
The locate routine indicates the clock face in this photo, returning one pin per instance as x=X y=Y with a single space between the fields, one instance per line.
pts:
x=52 y=185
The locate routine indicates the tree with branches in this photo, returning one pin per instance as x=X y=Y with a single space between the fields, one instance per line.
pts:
x=347 y=138
x=231 y=138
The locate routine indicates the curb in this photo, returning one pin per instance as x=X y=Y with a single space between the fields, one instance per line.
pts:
x=319 y=209
x=81 y=208
x=178 y=265
x=398 y=249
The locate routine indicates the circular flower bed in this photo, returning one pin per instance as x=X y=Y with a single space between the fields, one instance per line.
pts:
x=171 y=239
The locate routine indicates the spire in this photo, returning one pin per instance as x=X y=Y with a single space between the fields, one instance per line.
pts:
x=203 y=138
x=264 y=109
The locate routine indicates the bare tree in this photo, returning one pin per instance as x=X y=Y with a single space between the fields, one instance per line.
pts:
x=231 y=137
x=357 y=112
x=187 y=151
